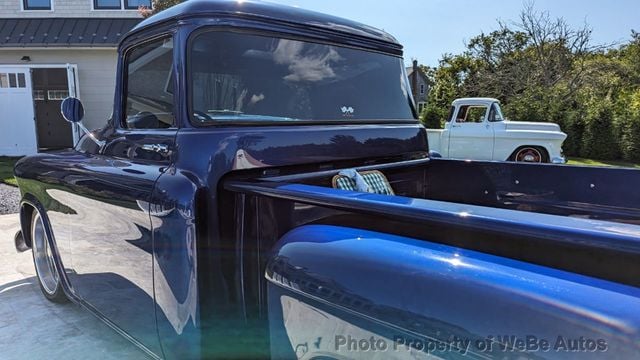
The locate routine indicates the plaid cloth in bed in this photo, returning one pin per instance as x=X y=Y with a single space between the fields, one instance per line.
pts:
x=376 y=181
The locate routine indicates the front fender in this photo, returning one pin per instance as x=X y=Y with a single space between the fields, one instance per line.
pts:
x=29 y=204
x=173 y=211
x=329 y=284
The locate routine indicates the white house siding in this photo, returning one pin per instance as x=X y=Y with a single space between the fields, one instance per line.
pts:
x=96 y=76
x=62 y=8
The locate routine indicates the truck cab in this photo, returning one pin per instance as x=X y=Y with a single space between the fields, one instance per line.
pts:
x=476 y=129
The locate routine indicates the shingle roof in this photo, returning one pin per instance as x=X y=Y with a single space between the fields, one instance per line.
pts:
x=409 y=70
x=64 y=32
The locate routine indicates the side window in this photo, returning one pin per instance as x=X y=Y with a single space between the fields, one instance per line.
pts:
x=471 y=114
x=149 y=86
x=494 y=113
x=462 y=114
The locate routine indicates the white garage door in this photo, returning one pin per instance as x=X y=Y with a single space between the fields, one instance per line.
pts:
x=17 y=125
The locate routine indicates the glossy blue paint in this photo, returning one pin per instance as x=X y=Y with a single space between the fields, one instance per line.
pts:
x=580 y=191
x=214 y=155
x=271 y=14
x=357 y=282
x=97 y=207
x=171 y=248
x=572 y=244
x=592 y=233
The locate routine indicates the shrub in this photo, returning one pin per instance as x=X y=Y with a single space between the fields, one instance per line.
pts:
x=573 y=125
x=630 y=139
x=433 y=117
x=598 y=141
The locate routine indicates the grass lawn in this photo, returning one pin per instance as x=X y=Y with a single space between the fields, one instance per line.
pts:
x=590 y=162
x=6 y=170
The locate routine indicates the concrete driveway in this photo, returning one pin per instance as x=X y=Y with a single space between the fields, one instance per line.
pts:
x=33 y=328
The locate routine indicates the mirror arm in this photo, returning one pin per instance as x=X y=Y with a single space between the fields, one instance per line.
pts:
x=100 y=143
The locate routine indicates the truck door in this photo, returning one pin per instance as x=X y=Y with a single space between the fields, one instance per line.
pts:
x=470 y=135
x=112 y=244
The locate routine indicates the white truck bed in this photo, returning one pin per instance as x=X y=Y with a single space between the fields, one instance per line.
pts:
x=434 y=136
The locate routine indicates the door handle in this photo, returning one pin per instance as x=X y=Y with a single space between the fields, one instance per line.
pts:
x=159 y=148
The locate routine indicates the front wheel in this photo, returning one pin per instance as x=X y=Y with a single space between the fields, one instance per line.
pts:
x=530 y=154
x=44 y=262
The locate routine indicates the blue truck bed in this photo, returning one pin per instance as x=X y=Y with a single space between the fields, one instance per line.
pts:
x=410 y=294
x=455 y=279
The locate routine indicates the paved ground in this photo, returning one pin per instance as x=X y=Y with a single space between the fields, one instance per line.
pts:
x=33 y=328
x=9 y=199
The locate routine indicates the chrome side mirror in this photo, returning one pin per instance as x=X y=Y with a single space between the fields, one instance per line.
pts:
x=73 y=111
x=434 y=154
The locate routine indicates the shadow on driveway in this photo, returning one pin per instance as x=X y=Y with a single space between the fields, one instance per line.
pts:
x=31 y=327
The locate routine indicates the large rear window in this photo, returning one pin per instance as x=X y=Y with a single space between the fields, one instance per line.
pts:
x=243 y=77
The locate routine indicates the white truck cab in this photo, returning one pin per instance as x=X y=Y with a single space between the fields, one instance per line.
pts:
x=477 y=130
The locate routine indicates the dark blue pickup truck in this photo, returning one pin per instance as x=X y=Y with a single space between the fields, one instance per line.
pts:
x=264 y=190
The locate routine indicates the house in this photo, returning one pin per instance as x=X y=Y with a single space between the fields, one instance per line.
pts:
x=51 y=49
x=419 y=85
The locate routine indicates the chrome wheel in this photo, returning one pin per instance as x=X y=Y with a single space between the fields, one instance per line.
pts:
x=43 y=258
x=529 y=154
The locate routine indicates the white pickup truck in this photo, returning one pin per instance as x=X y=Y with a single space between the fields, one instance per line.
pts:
x=477 y=130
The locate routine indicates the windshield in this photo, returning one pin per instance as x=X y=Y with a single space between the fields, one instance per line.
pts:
x=239 y=77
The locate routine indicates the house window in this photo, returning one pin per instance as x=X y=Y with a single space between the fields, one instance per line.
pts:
x=12 y=80
x=107 y=4
x=421 y=89
x=421 y=106
x=38 y=95
x=37 y=4
x=57 y=94
x=120 y=4
x=134 y=4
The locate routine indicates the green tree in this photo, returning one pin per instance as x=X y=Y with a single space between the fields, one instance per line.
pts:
x=598 y=141
x=629 y=123
x=433 y=117
x=541 y=69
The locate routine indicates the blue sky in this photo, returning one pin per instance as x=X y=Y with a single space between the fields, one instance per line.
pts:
x=430 y=28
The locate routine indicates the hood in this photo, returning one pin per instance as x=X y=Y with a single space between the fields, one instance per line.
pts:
x=535 y=126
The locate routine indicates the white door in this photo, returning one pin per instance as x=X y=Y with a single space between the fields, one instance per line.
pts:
x=17 y=124
x=470 y=136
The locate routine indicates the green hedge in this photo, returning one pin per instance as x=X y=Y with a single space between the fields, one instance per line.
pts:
x=598 y=140
x=630 y=141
